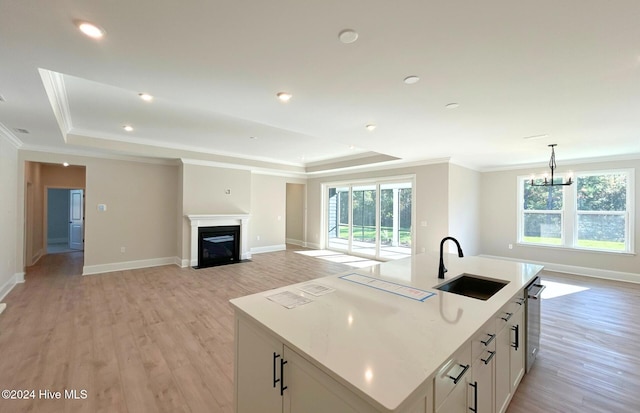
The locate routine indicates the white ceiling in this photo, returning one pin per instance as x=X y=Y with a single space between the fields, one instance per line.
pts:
x=569 y=69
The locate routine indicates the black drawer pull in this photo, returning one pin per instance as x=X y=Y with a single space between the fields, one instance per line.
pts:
x=275 y=379
x=282 y=386
x=475 y=396
x=507 y=317
x=488 y=359
x=491 y=337
x=464 y=370
x=516 y=328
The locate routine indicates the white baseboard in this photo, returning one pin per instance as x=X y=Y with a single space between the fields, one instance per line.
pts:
x=16 y=278
x=268 y=248
x=574 y=269
x=295 y=242
x=129 y=265
x=57 y=240
x=2 y=307
x=313 y=246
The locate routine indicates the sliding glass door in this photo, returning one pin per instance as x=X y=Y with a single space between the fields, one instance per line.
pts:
x=372 y=219
x=338 y=218
x=364 y=232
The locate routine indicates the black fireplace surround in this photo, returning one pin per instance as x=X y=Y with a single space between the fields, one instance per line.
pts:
x=218 y=245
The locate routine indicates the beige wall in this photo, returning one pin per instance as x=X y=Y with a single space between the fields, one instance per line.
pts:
x=204 y=192
x=498 y=228
x=140 y=215
x=8 y=215
x=141 y=207
x=464 y=208
x=296 y=194
x=268 y=212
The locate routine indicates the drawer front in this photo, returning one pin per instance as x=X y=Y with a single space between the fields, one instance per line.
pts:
x=484 y=340
x=508 y=310
x=457 y=367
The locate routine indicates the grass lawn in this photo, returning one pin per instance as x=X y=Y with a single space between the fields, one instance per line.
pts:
x=369 y=234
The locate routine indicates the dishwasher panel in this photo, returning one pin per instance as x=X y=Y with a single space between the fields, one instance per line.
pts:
x=533 y=292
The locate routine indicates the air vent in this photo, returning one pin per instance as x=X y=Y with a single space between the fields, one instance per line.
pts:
x=20 y=130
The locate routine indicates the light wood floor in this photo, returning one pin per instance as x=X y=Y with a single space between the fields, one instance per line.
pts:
x=161 y=339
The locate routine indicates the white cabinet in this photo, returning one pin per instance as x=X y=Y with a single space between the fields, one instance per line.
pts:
x=270 y=377
x=510 y=352
x=483 y=377
x=257 y=369
x=452 y=382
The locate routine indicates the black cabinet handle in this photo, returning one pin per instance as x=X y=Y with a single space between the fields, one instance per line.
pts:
x=491 y=337
x=475 y=396
x=507 y=317
x=516 y=328
x=520 y=301
x=282 y=386
x=464 y=370
x=488 y=359
x=275 y=379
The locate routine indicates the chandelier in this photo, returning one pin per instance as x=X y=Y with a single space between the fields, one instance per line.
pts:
x=552 y=165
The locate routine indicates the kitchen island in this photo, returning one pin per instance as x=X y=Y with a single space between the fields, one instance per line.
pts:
x=382 y=339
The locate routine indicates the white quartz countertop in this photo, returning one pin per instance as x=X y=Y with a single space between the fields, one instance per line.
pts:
x=384 y=346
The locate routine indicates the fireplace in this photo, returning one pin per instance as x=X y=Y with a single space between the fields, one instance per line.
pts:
x=217 y=220
x=218 y=245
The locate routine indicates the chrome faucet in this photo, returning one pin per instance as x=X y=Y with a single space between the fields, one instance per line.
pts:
x=442 y=268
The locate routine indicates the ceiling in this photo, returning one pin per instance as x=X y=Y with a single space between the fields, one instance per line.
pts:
x=569 y=70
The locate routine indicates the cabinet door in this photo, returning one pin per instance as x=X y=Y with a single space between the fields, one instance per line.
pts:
x=517 y=346
x=257 y=370
x=310 y=390
x=481 y=397
x=456 y=401
x=503 y=369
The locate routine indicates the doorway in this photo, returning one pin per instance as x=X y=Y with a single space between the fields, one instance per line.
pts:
x=65 y=220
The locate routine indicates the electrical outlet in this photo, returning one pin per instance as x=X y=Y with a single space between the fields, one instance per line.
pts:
x=510 y=246
x=123 y=249
x=257 y=237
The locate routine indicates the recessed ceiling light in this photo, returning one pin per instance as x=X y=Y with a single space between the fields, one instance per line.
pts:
x=352 y=147
x=65 y=164
x=90 y=29
x=21 y=130
x=370 y=127
x=284 y=96
x=348 y=36
x=253 y=137
x=410 y=80
x=452 y=105
x=2 y=99
x=146 y=97
x=128 y=128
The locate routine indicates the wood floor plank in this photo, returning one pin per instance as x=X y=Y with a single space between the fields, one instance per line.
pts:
x=161 y=339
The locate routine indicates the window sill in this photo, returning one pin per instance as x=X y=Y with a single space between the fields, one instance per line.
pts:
x=575 y=249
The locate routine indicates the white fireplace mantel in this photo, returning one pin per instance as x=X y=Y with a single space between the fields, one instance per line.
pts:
x=214 y=220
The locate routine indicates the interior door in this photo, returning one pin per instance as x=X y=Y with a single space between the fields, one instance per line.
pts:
x=76 y=219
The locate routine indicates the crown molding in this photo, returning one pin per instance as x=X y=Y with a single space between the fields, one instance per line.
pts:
x=57 y=93
x=10 y=137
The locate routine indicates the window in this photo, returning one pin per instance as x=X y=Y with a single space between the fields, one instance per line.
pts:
x=594 y=213
x=602 y=212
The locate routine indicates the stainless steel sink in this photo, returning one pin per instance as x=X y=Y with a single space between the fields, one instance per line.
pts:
x=473 y=286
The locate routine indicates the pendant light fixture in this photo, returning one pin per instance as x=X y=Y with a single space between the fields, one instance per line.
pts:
x=552 y=165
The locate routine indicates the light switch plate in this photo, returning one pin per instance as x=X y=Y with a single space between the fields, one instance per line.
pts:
x=102 y=207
